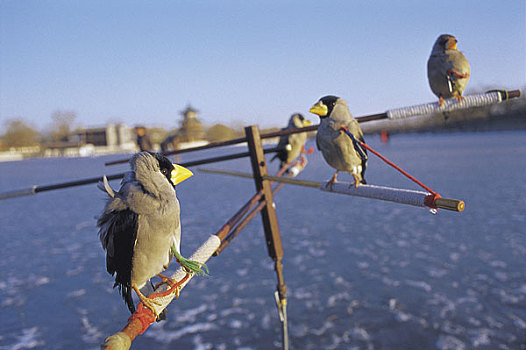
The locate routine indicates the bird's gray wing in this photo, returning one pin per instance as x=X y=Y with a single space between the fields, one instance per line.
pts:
x=457 y=62
x=437 y=68
x=282 y=153
x=296 y=142
x=118 y=232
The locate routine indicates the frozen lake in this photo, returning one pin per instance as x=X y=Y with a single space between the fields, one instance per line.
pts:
x=361 y=274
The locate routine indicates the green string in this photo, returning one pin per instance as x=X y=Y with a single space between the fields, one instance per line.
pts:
x=193 y=266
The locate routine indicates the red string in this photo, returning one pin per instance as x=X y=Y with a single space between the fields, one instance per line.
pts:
x=429 y=201
x=170 y=290
x=144 y=315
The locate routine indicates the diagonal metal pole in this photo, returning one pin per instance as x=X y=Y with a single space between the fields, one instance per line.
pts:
x=270 y=222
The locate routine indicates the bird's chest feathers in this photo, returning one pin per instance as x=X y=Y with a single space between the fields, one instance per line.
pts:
x=331 y=137
x=336 y=146
x=155 y=235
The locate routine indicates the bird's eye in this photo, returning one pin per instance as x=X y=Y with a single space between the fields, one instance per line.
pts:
x=164 y=171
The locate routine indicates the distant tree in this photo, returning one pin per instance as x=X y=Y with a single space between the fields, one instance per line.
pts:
x=19 y=134
x=219 y=132
x=239 y=127
x=62 y=124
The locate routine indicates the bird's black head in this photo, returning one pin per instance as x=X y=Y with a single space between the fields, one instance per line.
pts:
x=329 y=101
x=324 y=106
x=165 y=165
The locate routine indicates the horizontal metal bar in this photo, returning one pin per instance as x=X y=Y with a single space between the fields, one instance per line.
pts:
x=190 y=149
x=280 y=179
x=18 y=193
x=92 y=180
x=227 y=157
x=506 y=95
x=226 y=143
x=76 y=183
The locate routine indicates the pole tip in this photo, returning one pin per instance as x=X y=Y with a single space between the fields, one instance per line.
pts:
x=118 y=341
x=450 y=204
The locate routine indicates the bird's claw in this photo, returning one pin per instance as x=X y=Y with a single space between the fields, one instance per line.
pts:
x=441 y=102
x=356 y=182
x=459 y=98
x=332 y=181
x=169 y=281
x=149 y=303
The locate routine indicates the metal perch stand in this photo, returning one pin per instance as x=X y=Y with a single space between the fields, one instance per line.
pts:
x=263 y=202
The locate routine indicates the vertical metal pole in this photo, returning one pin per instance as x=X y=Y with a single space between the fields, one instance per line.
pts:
x=270 y=222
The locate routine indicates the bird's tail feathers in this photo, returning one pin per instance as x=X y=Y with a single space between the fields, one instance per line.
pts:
x=104 y=186
x=125 y=291
x=364 y=166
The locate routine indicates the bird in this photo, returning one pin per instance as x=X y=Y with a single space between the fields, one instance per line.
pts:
x=140 y=227
x=448 y=70
x=337 y=148
x=292 y=145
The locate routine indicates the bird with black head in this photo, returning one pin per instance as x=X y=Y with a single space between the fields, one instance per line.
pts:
x=337 y=148
x=140 y=227
x=292 y=145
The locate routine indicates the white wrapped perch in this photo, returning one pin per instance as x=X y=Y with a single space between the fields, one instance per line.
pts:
x=123 y=339
x=398 y=195
x=449 y=105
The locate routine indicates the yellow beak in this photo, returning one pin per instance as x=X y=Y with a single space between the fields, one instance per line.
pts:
x=452 y=44
x=179 y=174
x=306 y=123
x=319 y=109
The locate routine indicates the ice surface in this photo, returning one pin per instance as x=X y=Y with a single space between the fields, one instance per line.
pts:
x=361 y=274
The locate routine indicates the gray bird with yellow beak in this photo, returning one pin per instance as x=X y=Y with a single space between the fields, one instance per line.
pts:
x=336 y=146
x=448 y=69
x=140 y=227
x=292 y=145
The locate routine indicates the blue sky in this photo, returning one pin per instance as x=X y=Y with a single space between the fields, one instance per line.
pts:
x=254 y=62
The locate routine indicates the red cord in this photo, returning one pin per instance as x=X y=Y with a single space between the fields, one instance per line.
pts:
x=144 y=315
x=429 y=200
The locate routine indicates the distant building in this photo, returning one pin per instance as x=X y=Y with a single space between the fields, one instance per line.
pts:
x=117 y=136
x=192 y=129
x=109 y=139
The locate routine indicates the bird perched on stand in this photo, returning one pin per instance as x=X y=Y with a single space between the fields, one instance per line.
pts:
x=338 y=149
x=292 y=145
x=140 y=227
x=448 y=69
